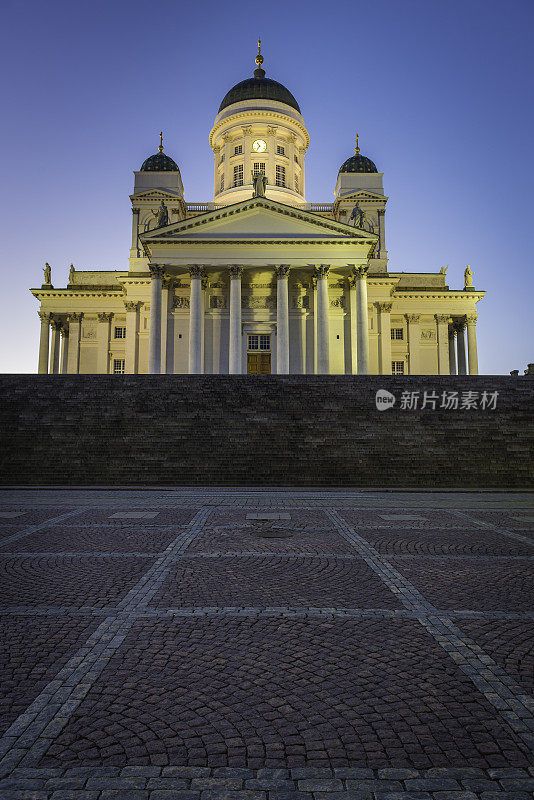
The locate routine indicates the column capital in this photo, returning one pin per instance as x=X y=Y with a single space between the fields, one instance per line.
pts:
x=131 y=305
x=442 y=317
x=322 y=271
x=44 y=316
x=282 y=270
x=384 y=306
x=235 y=271
x=471 y=319
x=361 y=271
x=459 y=325
x=74 y=317
x=136 y=210
x=246 y=129
x=105 y=316
x=156 y=270
x=196 y=271
x=167 y=282
x=413 y=318
x=56 y=324
x=64 y=331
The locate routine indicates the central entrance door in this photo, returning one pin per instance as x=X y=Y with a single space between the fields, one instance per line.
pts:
x=259 y=354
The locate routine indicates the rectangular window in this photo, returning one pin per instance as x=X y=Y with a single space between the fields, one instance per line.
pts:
x=222 y=183
x=280 y=175
x=238 y=149
x=259 y=168
x=280 y=150
x=238 y=175
x=120 y=333
x=261 y=341
x=397 y=333
x=397 y=367
x=118 y=366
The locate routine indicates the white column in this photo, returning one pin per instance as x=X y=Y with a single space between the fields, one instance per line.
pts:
x=384 y=316
x=414 y=341
x=382 y=232
x=196 y=312
x=102 y=357
x=472 y=344
x=452 y=351
x=460 y=345
x=323 y=327
x=313 y=282
x=132 y=337
x=44 y=343
x=353 y=326
x=165 y=291
x=54 y=347
x=154 y=331
x=75 y=324
x=64 y=347
x=247 y=167
x=271 y=154
x=442 y=322
x=134 y=251
x=362 y=323
x=282 y=319
x=235 y=355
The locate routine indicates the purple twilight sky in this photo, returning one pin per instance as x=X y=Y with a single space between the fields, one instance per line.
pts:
x=440 y=93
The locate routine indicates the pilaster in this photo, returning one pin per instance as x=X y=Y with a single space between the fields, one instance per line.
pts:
x=103 y=337
x=132 y=337
x=442 y=323
x=471 y=320
x=73 y=360
x=54 y=347
x=64 y=347
x=414 y=342
x=384 y=322
x=154 y=332
x=459 y=327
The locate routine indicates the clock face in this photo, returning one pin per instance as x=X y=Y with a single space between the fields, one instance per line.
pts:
x=259 y=146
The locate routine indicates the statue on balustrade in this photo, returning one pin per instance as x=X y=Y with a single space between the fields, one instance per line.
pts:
x=47 y=274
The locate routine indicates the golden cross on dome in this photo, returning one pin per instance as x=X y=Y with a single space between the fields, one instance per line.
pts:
x=357 y=149
x=160 y=148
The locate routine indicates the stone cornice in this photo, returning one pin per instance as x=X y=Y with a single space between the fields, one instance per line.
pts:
x=406 y=294
x=57 y=293
x=234 y=119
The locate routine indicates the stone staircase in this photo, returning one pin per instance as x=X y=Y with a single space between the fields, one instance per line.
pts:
x=263 y=430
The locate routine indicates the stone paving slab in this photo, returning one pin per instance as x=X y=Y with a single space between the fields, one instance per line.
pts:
x=72 y=580
x=230 y=538
x=82 y=539
x=114 y=692
x=271 y=693
x=467 y=541
x=278 y=580
x=484 y=584
x=32 y=650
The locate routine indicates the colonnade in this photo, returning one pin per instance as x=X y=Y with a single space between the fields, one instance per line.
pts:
x=235 y=355
x=457 y=352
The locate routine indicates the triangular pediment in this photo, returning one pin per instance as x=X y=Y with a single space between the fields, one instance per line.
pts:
x=156 y=194
x=258 y=218
x=362 y=194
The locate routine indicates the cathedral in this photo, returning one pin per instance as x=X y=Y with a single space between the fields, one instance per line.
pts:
x=258 y=280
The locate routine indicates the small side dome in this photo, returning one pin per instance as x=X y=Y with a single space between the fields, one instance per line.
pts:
x=159 y=162
x=259 y=88
x=357 y=162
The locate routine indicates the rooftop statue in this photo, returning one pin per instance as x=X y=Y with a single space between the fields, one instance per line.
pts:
x=468 y=277
x=47 y=274
x=71 y=273
x=162 y=215
x=358 y=216
x=260 y=184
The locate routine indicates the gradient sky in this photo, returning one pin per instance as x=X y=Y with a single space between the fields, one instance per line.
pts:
x=440 y=93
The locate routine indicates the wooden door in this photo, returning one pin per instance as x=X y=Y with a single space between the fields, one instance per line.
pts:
x=259 y=363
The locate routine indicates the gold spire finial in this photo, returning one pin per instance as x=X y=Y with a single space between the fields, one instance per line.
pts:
x=259 y=57
x=160 y=148
x=357 y=149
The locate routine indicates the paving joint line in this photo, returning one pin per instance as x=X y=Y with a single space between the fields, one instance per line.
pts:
x=503 y=693
x=28 y=738
x=498 y=529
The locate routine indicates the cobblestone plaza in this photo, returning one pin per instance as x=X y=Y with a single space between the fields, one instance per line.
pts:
x=240 y=644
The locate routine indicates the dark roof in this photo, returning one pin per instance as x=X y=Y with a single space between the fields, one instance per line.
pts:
x=358 y=163
x=259 y=88
x=159 y=162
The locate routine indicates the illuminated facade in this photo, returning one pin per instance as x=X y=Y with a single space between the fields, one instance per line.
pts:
x=259 y=280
